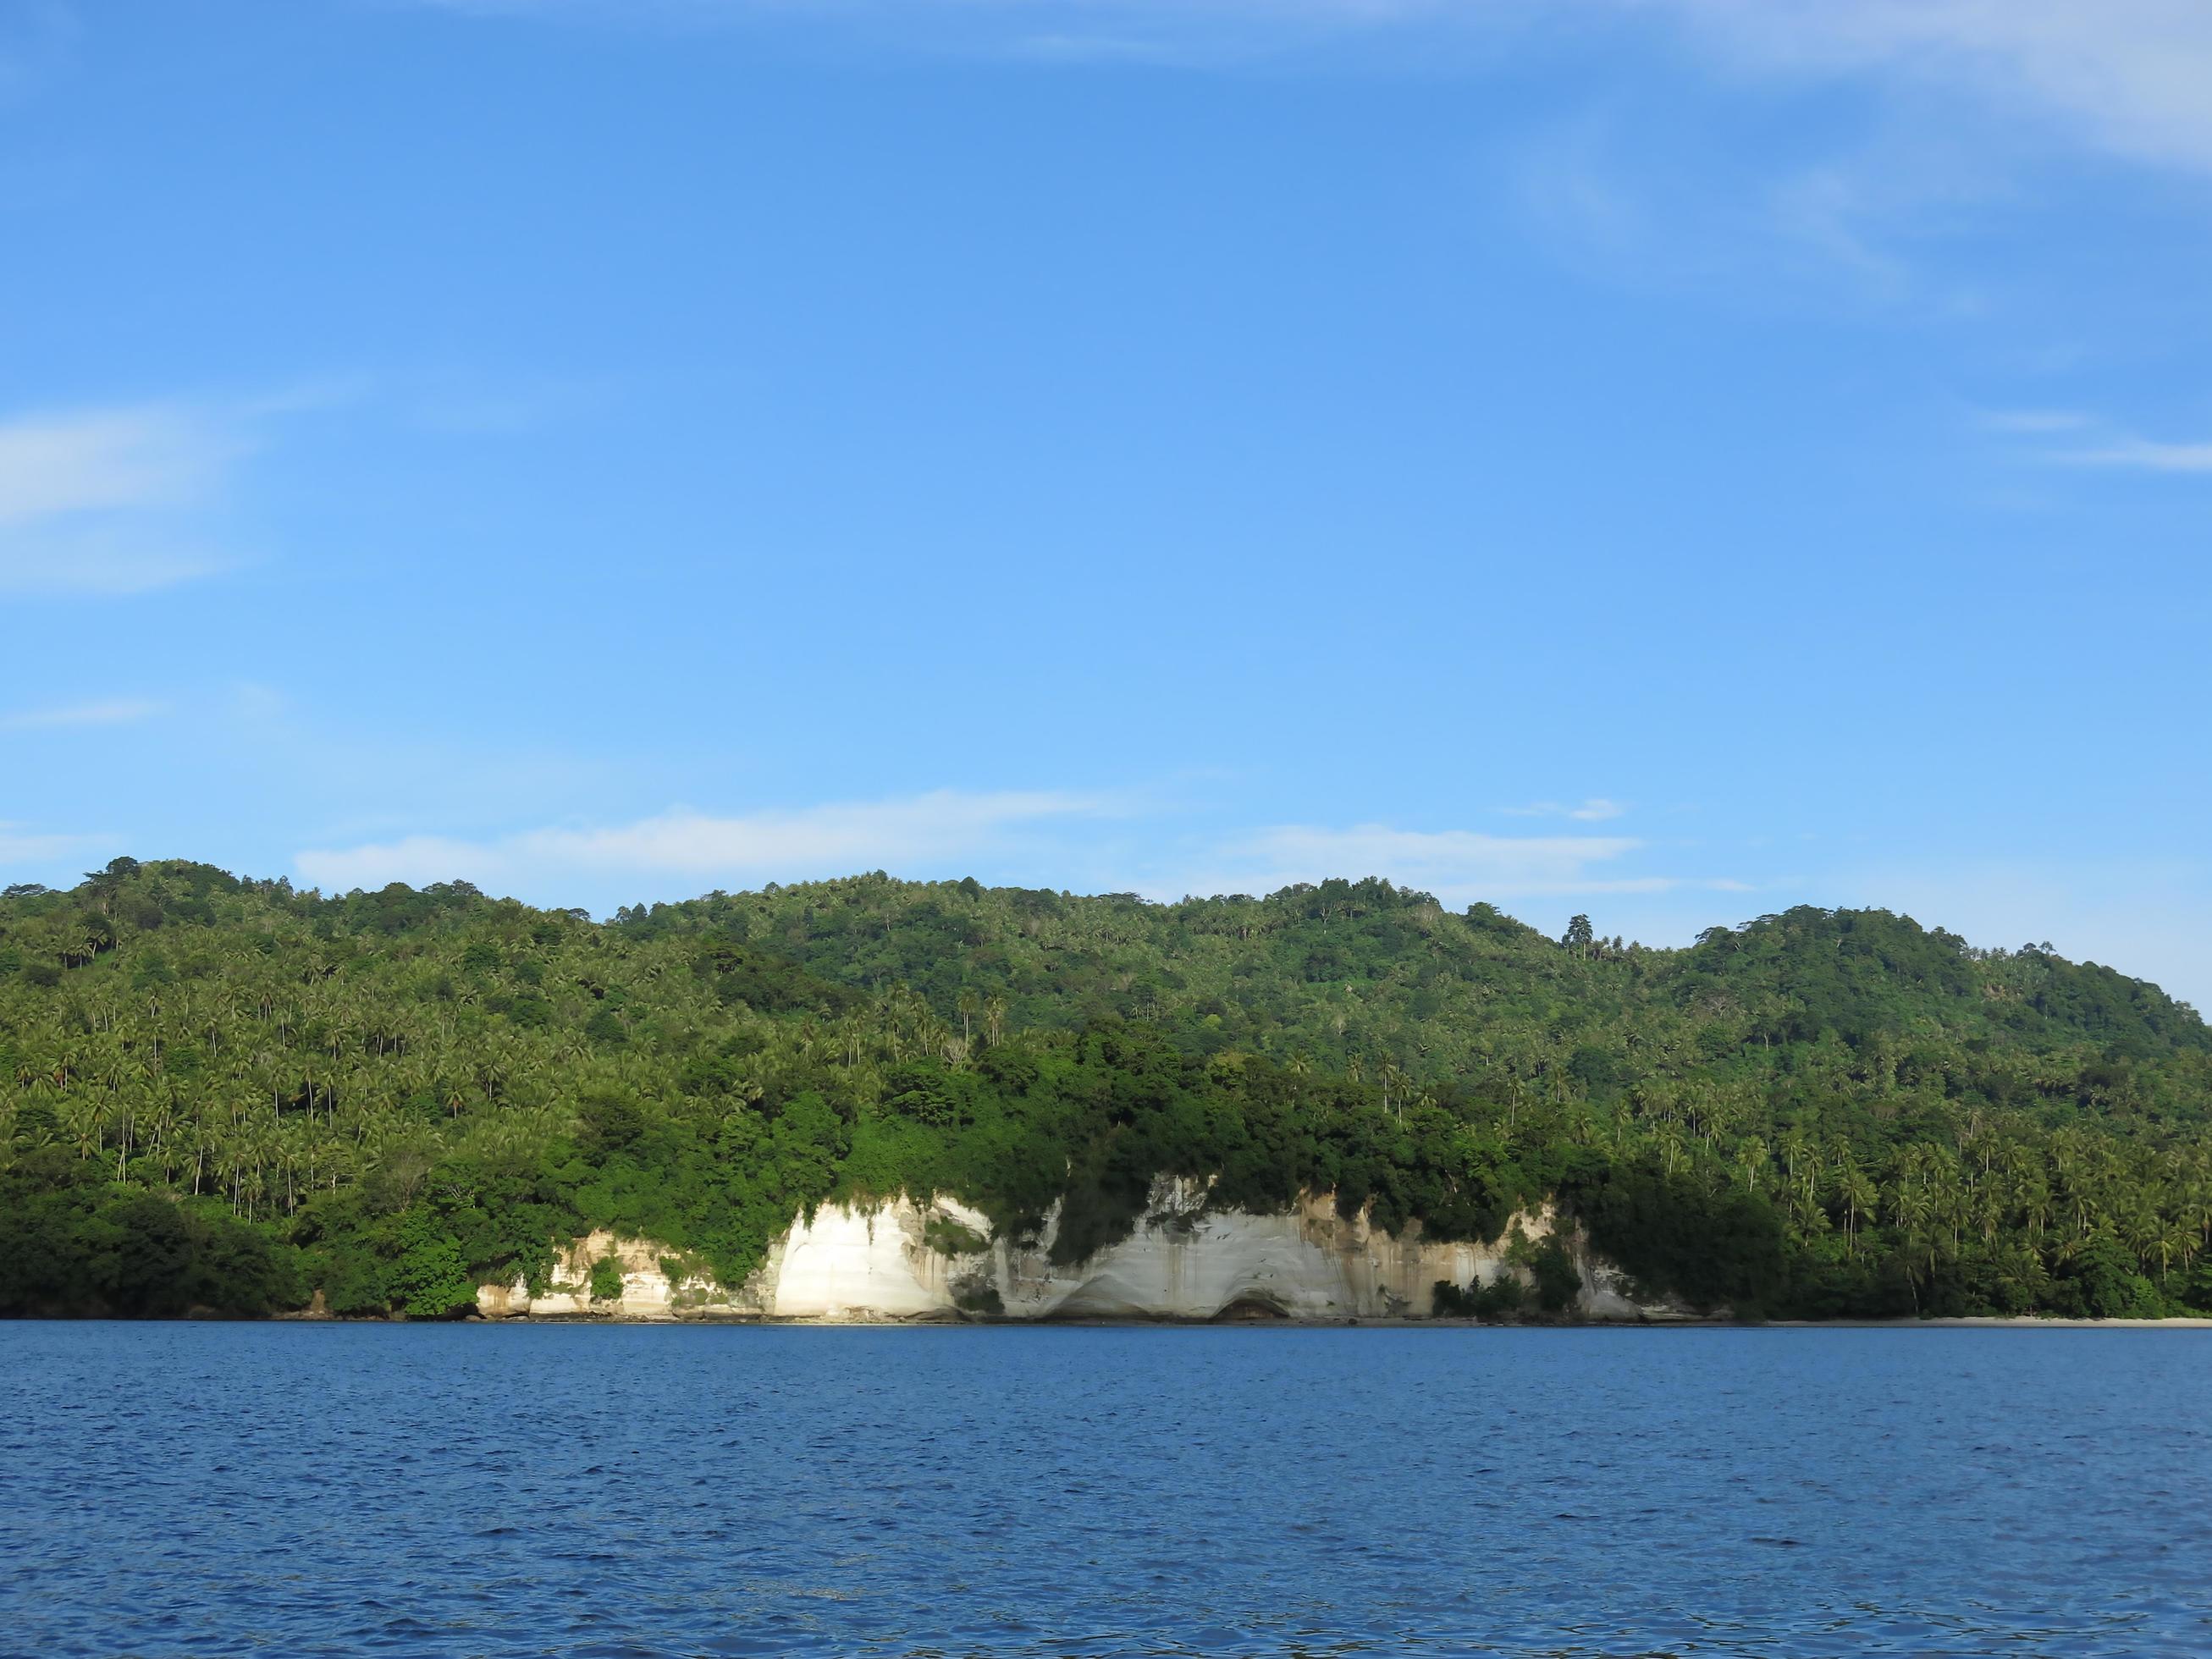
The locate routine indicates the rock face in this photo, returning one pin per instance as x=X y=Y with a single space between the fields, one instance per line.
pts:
x=647 y=1290
x=935 y=1259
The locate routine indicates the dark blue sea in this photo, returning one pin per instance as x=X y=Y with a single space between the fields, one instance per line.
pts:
x=289 y=1490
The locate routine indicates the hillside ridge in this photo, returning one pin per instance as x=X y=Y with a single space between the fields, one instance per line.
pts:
x=232 y=1093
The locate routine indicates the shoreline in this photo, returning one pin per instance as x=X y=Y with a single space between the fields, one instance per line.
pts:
x=1964 y=1322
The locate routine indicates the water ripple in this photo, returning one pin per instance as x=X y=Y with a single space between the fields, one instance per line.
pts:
x=619 y=1492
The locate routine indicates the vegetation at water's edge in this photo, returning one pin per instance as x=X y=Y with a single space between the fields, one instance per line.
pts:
x=226 y=1094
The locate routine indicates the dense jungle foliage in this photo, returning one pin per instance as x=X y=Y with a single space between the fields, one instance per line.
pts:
x=226 y=1095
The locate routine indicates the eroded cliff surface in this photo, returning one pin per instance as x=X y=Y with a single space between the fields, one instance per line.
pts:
x=935 y=1259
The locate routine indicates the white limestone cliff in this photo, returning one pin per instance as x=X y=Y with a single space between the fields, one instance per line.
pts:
x=909 y=1259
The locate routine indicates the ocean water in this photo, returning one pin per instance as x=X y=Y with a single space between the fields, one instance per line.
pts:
x=289 y=1490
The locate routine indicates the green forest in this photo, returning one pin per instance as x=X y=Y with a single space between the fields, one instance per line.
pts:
x=226 y=1096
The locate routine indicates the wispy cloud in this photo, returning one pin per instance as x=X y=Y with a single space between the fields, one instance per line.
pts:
x=2036 y=422
x=1623 y=197
x=112 y=563
x=114 y=711
x=1457 y=865
x=459 y=405
x=108 y=500
x=2142 y=455
x=2127 y=75
x=20 y=844
x=106 y=460
x=915 y=833
x=1595 y=810
x=1448 y=861
x=2097 y=442
x=998 y=836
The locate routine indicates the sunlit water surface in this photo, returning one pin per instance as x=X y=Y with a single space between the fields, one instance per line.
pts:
x=286 y=1490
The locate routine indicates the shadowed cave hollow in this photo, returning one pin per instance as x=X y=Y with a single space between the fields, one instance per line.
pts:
x=1250 y=1307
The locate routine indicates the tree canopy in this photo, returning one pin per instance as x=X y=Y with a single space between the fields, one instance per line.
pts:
x=228 y=1094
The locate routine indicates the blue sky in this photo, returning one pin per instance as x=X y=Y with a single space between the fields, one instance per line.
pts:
x=1672 y=460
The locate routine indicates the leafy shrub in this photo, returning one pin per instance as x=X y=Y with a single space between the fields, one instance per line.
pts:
x=607 y=1279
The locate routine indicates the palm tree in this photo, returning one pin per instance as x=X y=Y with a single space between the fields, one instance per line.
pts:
x=1796 y=1147
x=1393 y=1078
x=2196 y=1208
x=1751 y=1162
x=1806 y=1209
x=2174 y=1239
x=85 y=1118
x=2144 y=1230
x=1861 y=1197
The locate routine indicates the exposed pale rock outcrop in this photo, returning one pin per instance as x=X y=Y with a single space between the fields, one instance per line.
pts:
x=647 y=1290
x=929 y=1259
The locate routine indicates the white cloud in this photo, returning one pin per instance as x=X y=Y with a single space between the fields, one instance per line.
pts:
x=457 y=405
x=106 y=459
x=914 y=832
x=1457 y=865
x=1595 y=810
x=105 y=500
x=2127 y=76
x=998 y=836
x=2099 y=443
x=114 y=711
x=2143 y=455
x=1619 y=197
x=112 y=563
x=2036 y=422
x=21 y=845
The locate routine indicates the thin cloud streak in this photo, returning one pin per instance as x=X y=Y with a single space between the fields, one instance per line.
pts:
x=2036 y=422
x=107 y=564
x=2099 y=442
x=104 y=460
x=1595 y=810
x=115 y=711
x=108 y=501
x=21 y=845
x=2142 y=455
x=949 y=832
x=2127 y=75
x=811 y=842
x=1459 y=867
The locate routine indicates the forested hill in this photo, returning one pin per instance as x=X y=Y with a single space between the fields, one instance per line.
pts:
x=226 y=1093
x=1368 y=975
